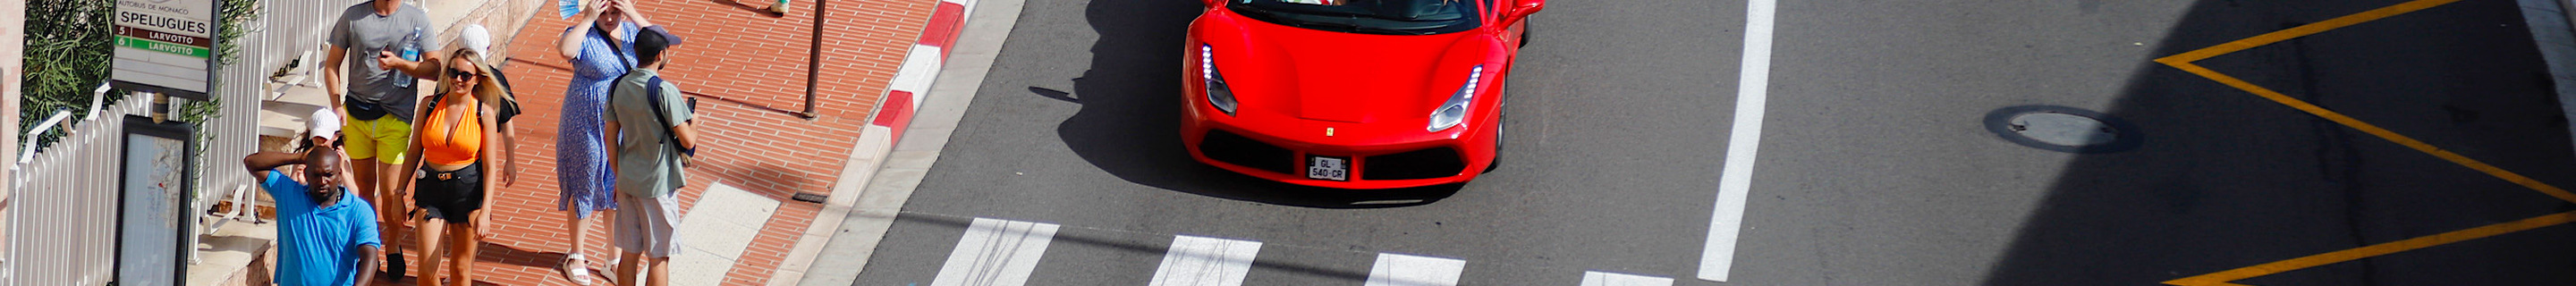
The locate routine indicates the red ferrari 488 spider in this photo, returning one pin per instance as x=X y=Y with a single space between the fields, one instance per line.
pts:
x=1352 y=94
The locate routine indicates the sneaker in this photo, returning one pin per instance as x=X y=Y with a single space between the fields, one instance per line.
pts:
x=394 y=267
x=780 y=8
x=576 y=269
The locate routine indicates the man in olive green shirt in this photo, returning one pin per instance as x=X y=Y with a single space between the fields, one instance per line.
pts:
x=653 y=119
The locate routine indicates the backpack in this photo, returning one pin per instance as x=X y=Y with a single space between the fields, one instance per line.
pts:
x=509 y=105
x=670 y=136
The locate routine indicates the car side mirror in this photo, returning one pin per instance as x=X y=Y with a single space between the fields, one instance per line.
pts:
x=1523 y=9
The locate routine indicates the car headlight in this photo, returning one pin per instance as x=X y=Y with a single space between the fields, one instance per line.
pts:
x=1455 y=111
x=1217 y=93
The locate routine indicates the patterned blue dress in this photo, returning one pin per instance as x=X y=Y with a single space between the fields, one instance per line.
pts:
x=581 y=160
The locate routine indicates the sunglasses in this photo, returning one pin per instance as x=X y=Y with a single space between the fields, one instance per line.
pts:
x=461 y=74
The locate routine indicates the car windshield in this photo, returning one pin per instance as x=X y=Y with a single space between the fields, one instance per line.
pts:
x=1382 y=17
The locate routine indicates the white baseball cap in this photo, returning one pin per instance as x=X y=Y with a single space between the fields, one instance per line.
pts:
x=323 y=123
x=476 y=38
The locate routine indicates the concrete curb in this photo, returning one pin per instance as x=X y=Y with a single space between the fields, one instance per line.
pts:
x=859 y=210
x=2556 y=38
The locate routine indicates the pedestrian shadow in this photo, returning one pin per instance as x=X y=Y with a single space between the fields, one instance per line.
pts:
x=762 y=11
x=506 y=254
x=1129 y=124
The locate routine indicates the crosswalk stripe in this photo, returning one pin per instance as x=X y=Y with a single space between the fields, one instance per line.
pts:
x=995 y=253
x=1597 y=278
x=1205 y=261
x=1408 y=270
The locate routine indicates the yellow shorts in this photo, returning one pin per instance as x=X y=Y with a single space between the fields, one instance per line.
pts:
x=384 y=139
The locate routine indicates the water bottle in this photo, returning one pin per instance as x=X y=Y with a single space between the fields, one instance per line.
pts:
x=410 y=52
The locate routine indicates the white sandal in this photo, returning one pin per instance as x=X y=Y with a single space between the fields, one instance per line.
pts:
x=610 y=270
x=576 y=269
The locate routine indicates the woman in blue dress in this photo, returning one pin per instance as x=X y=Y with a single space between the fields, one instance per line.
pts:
x=600 y=48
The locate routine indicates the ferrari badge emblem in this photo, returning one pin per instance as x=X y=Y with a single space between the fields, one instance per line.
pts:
x=1328 y=132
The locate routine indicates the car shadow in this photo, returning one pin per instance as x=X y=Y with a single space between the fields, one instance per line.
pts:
x=1129 y=123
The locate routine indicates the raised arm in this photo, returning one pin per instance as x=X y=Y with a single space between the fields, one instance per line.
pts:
x=260 y=163
x=570 y=43
x=633 y=14
x=344 y=169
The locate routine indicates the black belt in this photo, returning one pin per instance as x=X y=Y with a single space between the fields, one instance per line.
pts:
x=448 y=175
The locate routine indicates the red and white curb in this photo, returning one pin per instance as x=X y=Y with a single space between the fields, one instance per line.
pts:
x=911 y=84
x=920 y=68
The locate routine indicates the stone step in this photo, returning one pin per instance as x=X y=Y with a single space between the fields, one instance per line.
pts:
x=241 y=253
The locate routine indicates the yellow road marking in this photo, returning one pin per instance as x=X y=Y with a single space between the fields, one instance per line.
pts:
x=2374 y=130
x=2301 y=31
x=2187 y=62
x=2226 y=277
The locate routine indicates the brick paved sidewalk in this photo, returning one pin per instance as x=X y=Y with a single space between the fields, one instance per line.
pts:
x=750 y=72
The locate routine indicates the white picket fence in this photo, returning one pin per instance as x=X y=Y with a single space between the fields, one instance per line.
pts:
x=63 y=212
x=64 y=208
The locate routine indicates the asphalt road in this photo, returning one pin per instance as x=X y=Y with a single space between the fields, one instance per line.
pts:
x=1876 y=168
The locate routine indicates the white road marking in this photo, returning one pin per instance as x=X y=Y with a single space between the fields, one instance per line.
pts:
x=1204 y=261
x=995 y=253
x=1597 y=278
x=1408 y=270
x=1735 y=180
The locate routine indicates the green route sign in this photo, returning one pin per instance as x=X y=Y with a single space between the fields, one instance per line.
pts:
x=160 y=46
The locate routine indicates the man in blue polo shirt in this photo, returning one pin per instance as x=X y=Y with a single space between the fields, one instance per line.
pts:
x=325 y=236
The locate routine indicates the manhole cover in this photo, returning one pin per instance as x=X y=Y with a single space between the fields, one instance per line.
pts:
x=2063 y=129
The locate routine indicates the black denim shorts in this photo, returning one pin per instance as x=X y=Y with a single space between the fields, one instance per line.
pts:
x=450 y=195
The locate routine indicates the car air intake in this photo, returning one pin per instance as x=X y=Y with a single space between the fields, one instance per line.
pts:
x=1235 y=149
x=1418 y=164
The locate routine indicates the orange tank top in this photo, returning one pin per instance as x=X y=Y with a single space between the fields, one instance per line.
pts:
x=452 y=139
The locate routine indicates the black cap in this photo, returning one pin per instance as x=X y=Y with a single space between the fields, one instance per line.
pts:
x=666 y=34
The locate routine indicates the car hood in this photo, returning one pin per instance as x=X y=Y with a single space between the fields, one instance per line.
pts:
x=1344 y=77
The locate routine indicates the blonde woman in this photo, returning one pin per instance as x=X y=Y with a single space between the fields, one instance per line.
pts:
x=456 y=132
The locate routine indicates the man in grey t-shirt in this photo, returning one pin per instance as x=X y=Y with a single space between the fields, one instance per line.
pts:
x=387 y=45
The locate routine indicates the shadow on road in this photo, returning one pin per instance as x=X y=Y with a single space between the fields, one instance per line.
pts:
x=2227 y=179
x=1129 y=124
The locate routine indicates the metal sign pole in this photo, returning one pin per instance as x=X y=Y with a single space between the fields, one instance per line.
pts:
x=166 y=48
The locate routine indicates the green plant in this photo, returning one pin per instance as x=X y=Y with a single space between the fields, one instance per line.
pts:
x=67 y=56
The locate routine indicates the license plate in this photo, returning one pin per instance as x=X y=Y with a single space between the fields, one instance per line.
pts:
x=1328 y=168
